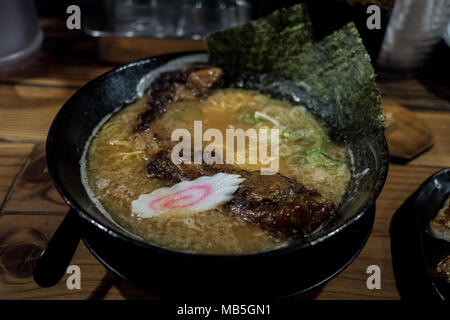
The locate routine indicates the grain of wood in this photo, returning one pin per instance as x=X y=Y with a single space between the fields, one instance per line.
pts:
x=401 y=183
x=34 y=190
x=27 y=112
x=439 y=154
x=49 y=73
x=413 y=92
x=125 y=50
x=12 y=159
x=351 y=283
x=96 y=281
x=406 y=133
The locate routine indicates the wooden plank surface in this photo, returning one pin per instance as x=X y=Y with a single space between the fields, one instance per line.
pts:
x=439 y=154
x=31 y=208
x=16 y=231
x=417 y=92
x=26 y=112
x=12 y=160
x=34 y=191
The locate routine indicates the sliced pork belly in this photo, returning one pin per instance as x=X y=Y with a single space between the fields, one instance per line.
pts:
x=274 y=202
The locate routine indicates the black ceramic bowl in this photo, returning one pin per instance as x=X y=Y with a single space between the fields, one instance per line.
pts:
x=416 y=253
x=276 y=273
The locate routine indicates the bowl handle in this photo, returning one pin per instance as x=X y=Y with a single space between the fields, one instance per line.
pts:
x=54 y=260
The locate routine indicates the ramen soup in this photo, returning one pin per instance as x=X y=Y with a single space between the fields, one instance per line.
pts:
x=118 y=155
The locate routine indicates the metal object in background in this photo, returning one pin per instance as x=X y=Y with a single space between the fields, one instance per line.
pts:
x=414 y=28
x=182 y=19
x=20 y=35
x=447 y=34
x=198 y=18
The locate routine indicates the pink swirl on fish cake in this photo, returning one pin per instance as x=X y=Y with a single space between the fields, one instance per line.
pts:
x=201 y=194
x=175 y=200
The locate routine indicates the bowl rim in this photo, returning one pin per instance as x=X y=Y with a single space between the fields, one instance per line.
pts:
x=420 y=197
x=167 y=251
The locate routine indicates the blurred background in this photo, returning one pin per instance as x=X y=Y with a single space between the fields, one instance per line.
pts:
x=412 y=31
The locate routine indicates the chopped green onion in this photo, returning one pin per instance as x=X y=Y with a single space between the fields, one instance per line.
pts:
x=260 y=115
x=318 y=158
x=248 y=118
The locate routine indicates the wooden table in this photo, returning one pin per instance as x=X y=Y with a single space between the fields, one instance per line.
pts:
x=31 y=209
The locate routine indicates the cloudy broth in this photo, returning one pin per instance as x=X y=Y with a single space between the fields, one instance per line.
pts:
x=116 y=169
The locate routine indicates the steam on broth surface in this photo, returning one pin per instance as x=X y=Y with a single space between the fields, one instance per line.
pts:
x=116 y=168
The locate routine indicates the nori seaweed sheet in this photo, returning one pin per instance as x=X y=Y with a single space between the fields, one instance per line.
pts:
x=333 y=78
x=258 y=44
x=338 y=72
